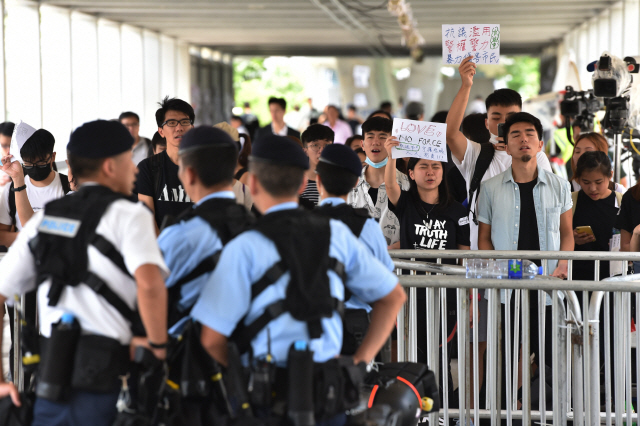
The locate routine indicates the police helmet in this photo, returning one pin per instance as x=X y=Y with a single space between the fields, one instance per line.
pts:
x=401 y=396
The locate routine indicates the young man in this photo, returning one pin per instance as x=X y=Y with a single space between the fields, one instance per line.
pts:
x=337 y=173
x=314 y=140
x=207 y=160
x=34 y=184
x=94 y=288
x=6 y=132
x=370 y=192
x=277 y=108
x=467 y=154
x=300 y=245
x=158 y=186
x=340 y=128
x=142 y=147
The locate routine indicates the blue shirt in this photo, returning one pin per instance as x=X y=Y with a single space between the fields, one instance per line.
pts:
x=373 y=239
x=184 y=245
x=499 y=206
x=226 y=296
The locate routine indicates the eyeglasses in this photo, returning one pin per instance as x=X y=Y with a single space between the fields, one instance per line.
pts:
x=40 y=164
x=174 y=123
x=317 y=146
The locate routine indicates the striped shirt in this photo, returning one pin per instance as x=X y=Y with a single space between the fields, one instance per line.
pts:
x=311 y=192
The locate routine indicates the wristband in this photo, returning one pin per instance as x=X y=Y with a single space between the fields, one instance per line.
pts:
x=158 y=345
x=20 y=188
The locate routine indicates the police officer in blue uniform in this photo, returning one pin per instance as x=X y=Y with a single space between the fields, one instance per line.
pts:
x=94 y=259
x=207 y=159
x=338 y=171
x=285 y=281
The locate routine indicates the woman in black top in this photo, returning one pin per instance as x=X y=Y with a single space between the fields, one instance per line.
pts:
x=596 y=206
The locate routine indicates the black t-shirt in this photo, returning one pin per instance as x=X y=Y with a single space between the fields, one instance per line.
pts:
x=528 y=238
x=373 y=193
x=600 y=215
x=442 y=230
x=169 y=198
x=311 y=193
x=629 y=215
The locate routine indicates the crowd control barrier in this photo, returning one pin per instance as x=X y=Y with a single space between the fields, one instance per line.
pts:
x=593 y=373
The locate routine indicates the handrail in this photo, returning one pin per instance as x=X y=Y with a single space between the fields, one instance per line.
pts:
x=520 y=254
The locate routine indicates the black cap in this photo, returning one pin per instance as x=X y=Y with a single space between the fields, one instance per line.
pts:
x=279 y=150
x=100 y=139
x=342 y=156
x=203 y=136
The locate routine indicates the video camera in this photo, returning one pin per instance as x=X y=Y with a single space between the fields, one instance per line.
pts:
x=580 y=106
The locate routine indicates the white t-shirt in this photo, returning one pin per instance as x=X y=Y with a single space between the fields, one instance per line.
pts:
x=130 y=228
x=500 y=163
x=38 y=197
x=241 y=191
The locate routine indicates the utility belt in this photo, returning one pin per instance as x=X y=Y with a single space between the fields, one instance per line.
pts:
x=72 y=361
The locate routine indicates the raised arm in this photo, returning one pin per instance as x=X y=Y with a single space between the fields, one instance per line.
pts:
x=390 y=182
x=23 y=206
x=456 y=141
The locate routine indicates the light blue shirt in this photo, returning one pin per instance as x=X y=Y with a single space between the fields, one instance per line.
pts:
x=226 y=296
x=373 y=239
x=184 y=245
x=499 y=206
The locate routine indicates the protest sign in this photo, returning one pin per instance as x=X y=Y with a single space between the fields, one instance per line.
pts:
x=420 y=139
x=482 y=41
x=21 y=133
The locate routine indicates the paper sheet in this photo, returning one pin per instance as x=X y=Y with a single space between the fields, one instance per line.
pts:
x=482 y=41
x=420 y=139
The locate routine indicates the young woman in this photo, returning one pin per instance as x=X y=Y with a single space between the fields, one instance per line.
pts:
x=595 y=205
x=588 y=142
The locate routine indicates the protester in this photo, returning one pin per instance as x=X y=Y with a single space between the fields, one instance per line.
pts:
x=6 y=132
x=414 y=111
x=277 y=109
x=341 y=128
x=588 y=142
x=240 y=191
x=158 y=143
x=354 y=120
x=354 y=142
x=314 y=140
x=243 y=159
x=142 y=147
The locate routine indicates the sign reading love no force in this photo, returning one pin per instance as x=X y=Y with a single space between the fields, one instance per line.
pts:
x=420 y=139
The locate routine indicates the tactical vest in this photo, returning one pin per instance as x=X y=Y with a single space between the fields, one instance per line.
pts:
x=60 y=247
x=352 y=217
x=228 y=219
x=302 y=240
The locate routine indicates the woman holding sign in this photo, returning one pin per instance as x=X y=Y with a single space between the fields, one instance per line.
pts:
x=430 y=219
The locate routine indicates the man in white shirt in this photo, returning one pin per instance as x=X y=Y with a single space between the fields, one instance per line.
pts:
x=277 y=108
x=141 y=146
x=500 y=104
x=6 y=132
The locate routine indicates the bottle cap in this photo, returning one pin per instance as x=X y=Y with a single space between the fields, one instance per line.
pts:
x=300 y=345
x=67 y=318
x=540 y=270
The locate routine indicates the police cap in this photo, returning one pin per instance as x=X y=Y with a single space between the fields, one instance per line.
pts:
x=204 y=136
x=342 y=156
x=100 y=139
x=279 y=150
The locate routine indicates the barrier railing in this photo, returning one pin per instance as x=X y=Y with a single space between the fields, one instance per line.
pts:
x=575 y=343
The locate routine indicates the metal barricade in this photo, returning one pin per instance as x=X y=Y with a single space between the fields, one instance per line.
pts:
x=575 y=341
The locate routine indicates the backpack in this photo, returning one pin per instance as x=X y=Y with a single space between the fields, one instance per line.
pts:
x=66 y=187
x=487 y=151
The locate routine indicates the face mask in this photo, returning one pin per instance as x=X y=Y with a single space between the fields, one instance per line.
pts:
x=38 y=173
x=494 y=138
x=377 y=165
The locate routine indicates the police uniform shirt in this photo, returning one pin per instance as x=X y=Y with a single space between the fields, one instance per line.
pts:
x=129 y=227
x=226 y=297
x=184 y=245
x=373 y=239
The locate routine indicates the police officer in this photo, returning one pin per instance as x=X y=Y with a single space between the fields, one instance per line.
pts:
x=207 y=159
x=92 y=255
x=283 y=282
x=338 y=171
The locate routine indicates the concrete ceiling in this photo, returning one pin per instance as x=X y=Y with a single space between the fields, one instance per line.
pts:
x=340 y=27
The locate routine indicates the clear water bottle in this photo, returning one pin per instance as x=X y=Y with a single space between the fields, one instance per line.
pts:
x=523 y=269
x=502 y=269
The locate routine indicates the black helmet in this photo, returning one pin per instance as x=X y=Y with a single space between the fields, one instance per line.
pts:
x=401 y=396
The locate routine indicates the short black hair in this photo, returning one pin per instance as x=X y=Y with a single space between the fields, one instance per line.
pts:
x=440 y=117
x=473 y=127
x=237 y=117
x=336 y=180
x=377 y=124
x=379 y=111
x=6 y=128
x=279 y=101
x=317 y=132
x=504 y=98
x=174 y=104
x=522 y=117
x=352 y=107
x=214 y=164
x=158 y=140
x=276 y=179
x=38 y=147
x=129 y=114
x=353 y=138
x=591 y=161
x=385 y=104
x=83 y=167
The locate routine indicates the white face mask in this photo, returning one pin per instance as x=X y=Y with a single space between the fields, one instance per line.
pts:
x=494 y=138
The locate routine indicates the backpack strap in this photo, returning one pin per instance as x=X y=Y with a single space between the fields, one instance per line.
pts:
x=618 y=198
x=12 y=205
x=64 y=181
x=487 y=151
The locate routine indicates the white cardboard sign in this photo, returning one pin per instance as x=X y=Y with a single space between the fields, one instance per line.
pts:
x=21 y=133
x=420 y=139
x=482 y=41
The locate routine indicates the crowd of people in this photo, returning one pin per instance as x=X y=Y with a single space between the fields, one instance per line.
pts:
x=199 y=230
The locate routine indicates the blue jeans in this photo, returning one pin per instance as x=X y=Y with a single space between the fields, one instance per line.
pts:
x=84 y=408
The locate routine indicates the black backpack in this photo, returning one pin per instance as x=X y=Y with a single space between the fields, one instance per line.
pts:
x=66 y=187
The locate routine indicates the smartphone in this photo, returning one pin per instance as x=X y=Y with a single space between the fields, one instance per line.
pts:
x=501 y=130
x=584 y=230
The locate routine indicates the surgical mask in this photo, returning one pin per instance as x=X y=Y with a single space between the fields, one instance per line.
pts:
x=377 y=165
x=37 y=173
x=494 y=139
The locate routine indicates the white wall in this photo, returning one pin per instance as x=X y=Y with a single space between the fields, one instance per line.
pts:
x=64 y=68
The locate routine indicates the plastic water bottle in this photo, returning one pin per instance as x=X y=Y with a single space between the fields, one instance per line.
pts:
x=502 y=269
x=523 y=269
